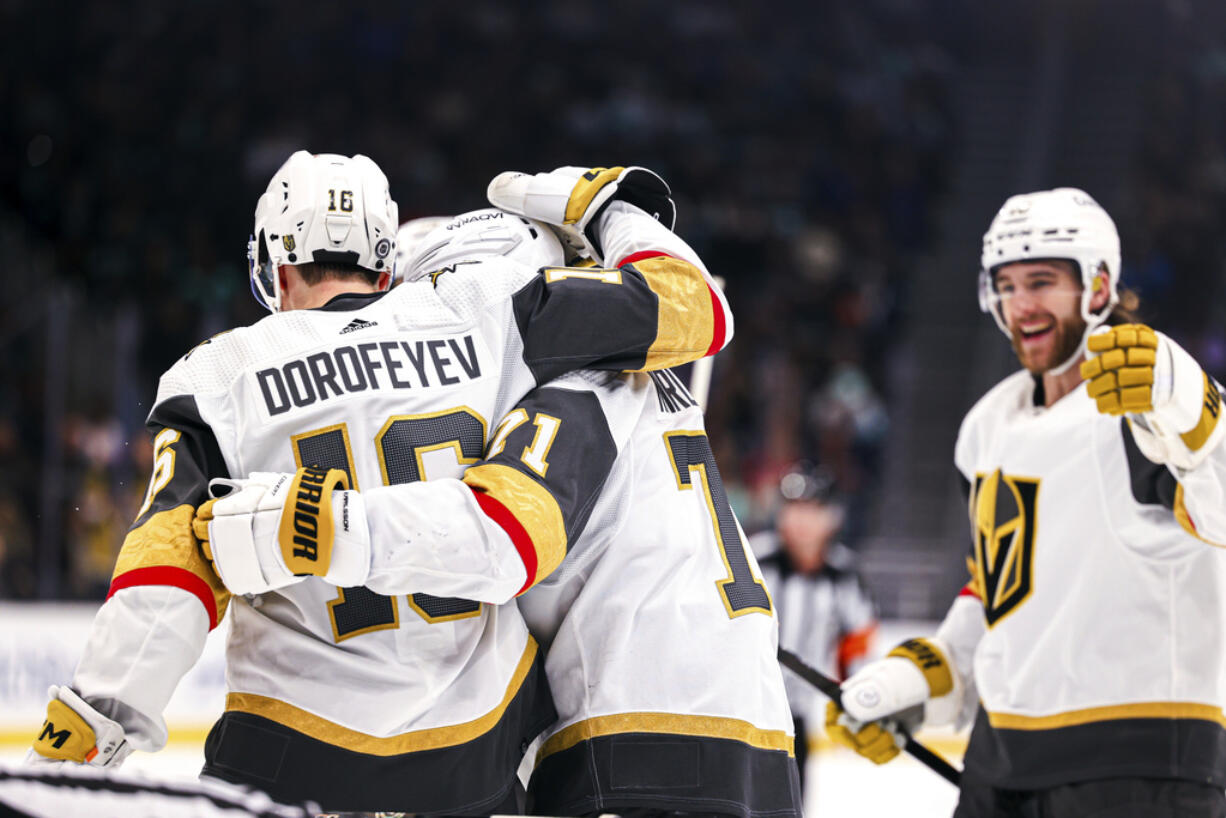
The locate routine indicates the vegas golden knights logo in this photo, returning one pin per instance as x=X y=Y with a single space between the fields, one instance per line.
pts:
x=1003 y=512
x=288 y=243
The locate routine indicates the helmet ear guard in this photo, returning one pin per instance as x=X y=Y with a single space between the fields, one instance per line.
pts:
x=265 y=283
x=322 y=208
x=1065 y=223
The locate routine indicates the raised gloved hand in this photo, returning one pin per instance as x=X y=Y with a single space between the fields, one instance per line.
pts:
x=571 y=199
x=275 y=529
x=75 y=732
x=911 y=684
x=1136 y=371
x=1121 y=371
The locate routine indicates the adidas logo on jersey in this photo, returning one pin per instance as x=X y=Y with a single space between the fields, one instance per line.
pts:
x=357 y=324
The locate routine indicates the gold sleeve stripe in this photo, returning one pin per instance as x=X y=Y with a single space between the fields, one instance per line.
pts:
x=687 y=316
x=1185 y=519
x=585 y=190
x=666 y=724
x=1212 y=407
x=163 y=551
x=416 y=741
x=1135 y=710
x=532 y=507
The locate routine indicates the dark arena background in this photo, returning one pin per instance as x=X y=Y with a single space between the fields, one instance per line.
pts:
x=836 y=163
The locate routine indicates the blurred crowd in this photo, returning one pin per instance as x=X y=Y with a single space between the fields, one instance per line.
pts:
x=807 y=161
x=1174 y=245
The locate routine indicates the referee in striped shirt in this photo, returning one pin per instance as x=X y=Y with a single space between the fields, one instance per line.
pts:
x=826 y=616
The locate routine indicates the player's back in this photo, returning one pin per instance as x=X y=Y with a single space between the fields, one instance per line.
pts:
x=662 y=638
x=391 y=389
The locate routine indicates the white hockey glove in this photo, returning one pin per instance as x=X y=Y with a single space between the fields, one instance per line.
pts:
x=273 y=530
x=75 y=732
x=1172 y=404
x=913 y=684
x=571 y=199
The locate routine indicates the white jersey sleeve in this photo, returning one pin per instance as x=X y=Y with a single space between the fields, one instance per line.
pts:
x=961 y=631
x=1200 y=500
x=164 y=597
x=509 y=521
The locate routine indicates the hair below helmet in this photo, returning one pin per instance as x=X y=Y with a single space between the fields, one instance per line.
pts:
x=1064 y=223
x=322 y=208
x=481 y=234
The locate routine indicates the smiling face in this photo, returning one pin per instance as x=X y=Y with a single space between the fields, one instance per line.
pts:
x=1041 y=306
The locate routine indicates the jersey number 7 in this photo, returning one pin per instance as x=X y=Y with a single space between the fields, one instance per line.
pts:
x=691 y=456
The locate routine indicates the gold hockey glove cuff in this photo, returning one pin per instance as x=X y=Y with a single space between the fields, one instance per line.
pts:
x=932 y=663
x=272 y=530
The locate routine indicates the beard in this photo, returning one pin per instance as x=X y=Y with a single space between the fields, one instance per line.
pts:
x=1064 y=341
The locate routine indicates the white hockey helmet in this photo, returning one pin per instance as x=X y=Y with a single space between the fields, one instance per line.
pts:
x=408 y=239
x=479 y=234
x=321 y=208
x=1064 y=223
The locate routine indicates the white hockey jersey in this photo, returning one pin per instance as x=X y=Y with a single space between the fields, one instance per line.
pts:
x=662 y=639
x=660 y=635
x=1094 y=625
x=333 y=691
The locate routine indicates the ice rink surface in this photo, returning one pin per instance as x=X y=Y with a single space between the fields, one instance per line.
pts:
x=841 y=785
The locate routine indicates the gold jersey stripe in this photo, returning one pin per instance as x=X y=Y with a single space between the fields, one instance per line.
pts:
x=533 y=506
x=1089 y=715
x=669 y=724
x=166 y=540
x=586 y=188
x=1211 y=407
x=329 y=732
x=686 y=324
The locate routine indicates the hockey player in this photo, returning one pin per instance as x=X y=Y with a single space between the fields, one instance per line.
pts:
x=825 y=614
x=600 y=502
x=1088 y=645
x=336 y=694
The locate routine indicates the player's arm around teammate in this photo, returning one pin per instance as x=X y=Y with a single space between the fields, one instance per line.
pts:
x=488 y=536
x=165 y=596
x=503 y=537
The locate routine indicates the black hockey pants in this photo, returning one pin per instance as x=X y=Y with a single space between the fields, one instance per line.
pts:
x=1106 y=798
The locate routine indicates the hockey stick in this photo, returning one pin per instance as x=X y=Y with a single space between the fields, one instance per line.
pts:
x=830 y=688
